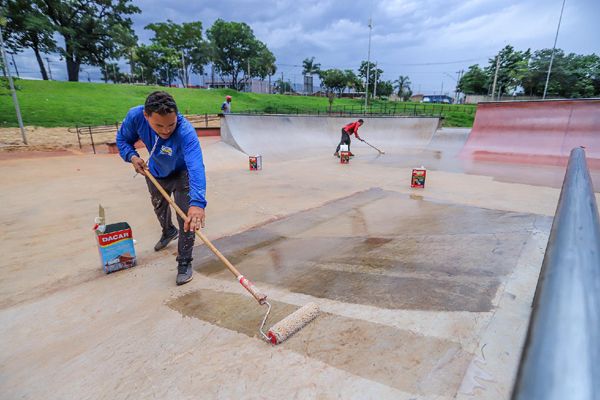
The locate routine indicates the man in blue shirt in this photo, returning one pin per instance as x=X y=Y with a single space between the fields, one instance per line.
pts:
x=175 y=160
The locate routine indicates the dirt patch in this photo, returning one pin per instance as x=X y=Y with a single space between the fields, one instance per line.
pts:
x=46 y=139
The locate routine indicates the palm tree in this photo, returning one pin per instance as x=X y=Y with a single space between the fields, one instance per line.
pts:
x=402 y=84
x=310 y=68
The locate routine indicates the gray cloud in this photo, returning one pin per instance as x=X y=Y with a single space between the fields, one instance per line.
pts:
x=405 y=32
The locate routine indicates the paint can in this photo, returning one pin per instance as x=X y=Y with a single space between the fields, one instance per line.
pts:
x=344 y=157
x=418 y=177
x=255 y=162
x=115 y=244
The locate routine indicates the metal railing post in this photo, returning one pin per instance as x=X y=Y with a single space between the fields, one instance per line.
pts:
x=561 y=355
x=78 y=137
x=92 y=139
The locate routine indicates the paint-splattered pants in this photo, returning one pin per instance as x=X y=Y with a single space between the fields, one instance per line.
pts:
x=345 y=140
x=177 y=184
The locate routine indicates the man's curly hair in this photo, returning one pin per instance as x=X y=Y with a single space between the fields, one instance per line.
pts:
x=160 y=102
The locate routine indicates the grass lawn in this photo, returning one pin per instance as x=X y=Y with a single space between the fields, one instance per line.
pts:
x=55 y=103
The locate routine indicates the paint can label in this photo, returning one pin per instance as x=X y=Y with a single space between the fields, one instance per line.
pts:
x=116 y=247
x=344 y=157
x=255 y=162
x=418 y=177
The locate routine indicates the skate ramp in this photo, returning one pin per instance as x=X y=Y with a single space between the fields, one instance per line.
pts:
x=535 y=132
x=295 y=137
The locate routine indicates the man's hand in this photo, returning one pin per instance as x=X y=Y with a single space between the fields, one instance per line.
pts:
x=139 y=165
x=359 y=138
x=194 y=220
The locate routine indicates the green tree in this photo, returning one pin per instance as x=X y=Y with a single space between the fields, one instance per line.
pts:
x=402 y=86
x=26 y=27
x=474 y=81
x=352 y=80
x=283 y=86
x=93 y=30
x=185 y=40
x=334 y=80
x=385 y=88
x=374 y=74
x=263 y=63
x=535 y=79
x=512 y=68
x=112 y=72
x=234 y=48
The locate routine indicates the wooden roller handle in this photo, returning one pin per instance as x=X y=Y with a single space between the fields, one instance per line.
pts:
x=260 y=297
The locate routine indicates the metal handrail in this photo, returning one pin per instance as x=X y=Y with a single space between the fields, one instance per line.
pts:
x=561 y=356
x=197 y=120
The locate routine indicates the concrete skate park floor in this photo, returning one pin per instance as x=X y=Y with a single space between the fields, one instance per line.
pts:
x=425 y=293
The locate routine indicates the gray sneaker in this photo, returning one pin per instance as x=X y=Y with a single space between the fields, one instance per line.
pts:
x=166 y=239
x=184 y=272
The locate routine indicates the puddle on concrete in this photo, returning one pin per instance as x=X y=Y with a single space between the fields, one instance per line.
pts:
x=383 y=249
x=390 y=356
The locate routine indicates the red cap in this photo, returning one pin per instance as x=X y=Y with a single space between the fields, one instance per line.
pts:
x=228 y=98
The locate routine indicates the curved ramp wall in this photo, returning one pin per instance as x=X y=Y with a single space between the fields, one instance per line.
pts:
x=535 y=132
x=284 y=136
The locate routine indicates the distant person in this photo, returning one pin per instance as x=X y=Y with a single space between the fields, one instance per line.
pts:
x=226 y=106
x=351 y=128
x=175 y=160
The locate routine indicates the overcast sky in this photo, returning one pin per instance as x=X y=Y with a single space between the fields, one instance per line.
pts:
x=428 y=40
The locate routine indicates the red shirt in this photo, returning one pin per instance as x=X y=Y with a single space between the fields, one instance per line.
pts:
x=352 y=128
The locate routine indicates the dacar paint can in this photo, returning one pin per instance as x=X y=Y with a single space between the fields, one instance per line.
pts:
x=255 y=162
x=418 y=177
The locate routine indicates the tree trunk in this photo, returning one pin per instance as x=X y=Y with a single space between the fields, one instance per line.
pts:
x=73 y=70
x=40 y=61
x=73 y=62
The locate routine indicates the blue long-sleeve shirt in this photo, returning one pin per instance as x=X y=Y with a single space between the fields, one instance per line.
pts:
x=179 y=152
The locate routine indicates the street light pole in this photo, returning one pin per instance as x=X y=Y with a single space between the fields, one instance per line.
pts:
x=553 y=49
x=368 y=67
x=12 y=88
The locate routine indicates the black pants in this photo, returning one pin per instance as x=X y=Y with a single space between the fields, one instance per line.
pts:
x=177 y=184
x=345 y=140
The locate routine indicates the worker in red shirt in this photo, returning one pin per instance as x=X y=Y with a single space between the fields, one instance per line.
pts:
x=351 y=128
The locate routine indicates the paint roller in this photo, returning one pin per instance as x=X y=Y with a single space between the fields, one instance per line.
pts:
x=282 y=329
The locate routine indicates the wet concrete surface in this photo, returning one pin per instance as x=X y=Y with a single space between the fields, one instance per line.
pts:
x=383 y=249
x=448 y=159
x=393 y=357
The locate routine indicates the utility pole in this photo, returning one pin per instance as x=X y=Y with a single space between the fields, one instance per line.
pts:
x=281 y=86
x=375 y=83
x=50 y=70
x=114 y=74
x=553 y=49
x=12 y=88
x=460 y=74
x=496 y=76
x=368 y=67
x=442 y=90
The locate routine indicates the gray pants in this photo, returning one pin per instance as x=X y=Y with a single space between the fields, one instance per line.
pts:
x=177 y=184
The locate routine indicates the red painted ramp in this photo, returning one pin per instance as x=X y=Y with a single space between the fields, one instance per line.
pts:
x=535 y=132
